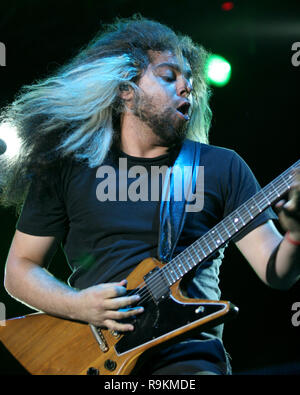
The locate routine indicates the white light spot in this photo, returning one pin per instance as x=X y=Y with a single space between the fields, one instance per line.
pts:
x=8 y=134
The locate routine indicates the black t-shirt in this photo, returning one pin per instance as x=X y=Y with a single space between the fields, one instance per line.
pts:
x=104 y=240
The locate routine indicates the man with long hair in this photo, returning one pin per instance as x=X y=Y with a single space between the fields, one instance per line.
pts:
x=137 y=92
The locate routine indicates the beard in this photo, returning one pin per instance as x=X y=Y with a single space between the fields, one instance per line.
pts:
x=165 y=124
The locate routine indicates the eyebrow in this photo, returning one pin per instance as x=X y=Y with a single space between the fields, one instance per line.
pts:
x=175 y=66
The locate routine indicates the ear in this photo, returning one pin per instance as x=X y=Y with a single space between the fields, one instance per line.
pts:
x=126 y=92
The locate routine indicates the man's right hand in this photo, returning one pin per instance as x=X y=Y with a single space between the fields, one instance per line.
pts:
x=100 y=305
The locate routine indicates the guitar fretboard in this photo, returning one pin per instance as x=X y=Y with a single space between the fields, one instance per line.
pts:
x=220 y=234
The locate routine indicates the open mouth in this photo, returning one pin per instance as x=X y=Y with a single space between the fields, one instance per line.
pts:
x=183 y=111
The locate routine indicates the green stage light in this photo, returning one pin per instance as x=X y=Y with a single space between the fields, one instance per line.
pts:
x=218 y=70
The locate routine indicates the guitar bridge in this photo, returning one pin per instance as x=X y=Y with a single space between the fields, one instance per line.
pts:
x=100 y=338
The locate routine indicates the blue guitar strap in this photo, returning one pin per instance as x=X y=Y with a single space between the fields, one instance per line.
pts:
x=179 y=185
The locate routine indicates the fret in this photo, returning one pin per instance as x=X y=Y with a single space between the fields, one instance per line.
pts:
x=199 y=247
x=228 y=225
x=185 y=263
x=188 y=251
x=220 y=236
x=237 y=220
x=165 y=271
x=233 y=222
x=241 y=218
x=275 y=190
x=243 y=214
x=288 y=185
x=171 y=272
x=217 y=242
x=176 y=271
x=268 y=193
x=179 y=269
x=196 y=253
x=260 y=200
x=265 y=197
x=249 y=212
x=226 y=229
x=206 y=242
x=254 y=205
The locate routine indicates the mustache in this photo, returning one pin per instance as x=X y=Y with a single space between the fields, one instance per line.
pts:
x=163 y=121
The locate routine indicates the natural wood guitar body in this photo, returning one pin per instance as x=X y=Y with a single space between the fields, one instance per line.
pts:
x=49 y=345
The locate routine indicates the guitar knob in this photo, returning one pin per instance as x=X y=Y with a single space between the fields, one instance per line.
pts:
x=110 y=365
x=92 y=372
x=199 y=309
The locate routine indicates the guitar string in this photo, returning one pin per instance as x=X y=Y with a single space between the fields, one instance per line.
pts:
x=156 y=285
x=265 y=199
x=157 y=276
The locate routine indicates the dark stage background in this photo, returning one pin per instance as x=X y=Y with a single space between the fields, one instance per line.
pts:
x=256 y=114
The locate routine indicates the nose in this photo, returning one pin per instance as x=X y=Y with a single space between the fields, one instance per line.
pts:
x=185 y=88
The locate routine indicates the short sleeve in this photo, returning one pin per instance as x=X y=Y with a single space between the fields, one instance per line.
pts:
x=241 y=186
x=43 y=212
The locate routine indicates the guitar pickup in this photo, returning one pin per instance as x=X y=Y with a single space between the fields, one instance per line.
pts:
x=157 y=284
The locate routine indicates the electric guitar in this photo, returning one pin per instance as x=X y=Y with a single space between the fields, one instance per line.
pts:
x=45 y=344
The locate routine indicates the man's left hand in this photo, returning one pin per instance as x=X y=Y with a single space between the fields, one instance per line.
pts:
x=289 y=211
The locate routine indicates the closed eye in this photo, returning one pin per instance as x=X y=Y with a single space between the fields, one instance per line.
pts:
x=168 y=79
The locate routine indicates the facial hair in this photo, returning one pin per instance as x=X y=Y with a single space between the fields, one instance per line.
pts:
x=163 y=122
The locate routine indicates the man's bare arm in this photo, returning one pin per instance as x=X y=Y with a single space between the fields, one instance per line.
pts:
x=276 y=259
x=28 y=281
x=280 y=271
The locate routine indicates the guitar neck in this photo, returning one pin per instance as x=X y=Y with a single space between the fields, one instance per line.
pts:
x=230 y=226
